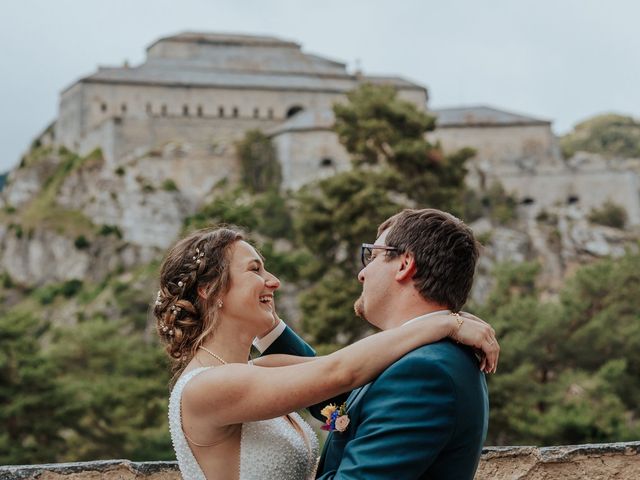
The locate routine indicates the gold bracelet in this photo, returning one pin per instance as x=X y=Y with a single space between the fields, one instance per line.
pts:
x=460 y=321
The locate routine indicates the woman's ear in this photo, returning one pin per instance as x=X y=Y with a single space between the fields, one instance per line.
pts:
x=202 y=292
x=407 y=267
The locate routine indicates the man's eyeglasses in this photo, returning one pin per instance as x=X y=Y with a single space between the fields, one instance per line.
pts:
x=366 y=251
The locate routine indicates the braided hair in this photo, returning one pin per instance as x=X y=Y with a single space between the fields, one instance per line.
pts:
x=193 y=276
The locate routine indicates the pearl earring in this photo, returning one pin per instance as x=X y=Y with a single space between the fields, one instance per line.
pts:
x=220 y=304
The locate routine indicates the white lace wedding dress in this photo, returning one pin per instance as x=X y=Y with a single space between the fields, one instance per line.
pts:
x=269 y=449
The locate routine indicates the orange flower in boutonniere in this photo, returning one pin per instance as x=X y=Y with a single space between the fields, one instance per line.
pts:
x=337 y=418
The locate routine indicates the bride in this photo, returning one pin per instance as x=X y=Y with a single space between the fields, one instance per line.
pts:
x=229 y=418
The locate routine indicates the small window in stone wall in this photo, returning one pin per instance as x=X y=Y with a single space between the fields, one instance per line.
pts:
x=123 y=108
x=103 y=107
x=293 y=110
x=200 y=111
x=149 y=109
x=571 y=199
x=235 y=112
x=327 y=162
x=163 y=110
x=185 y=110
x=256 y=113
x=527 y=201
x=270 y=114
x=221 y=112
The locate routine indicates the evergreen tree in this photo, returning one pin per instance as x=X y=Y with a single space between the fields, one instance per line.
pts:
x=32 y=408
x=259 y=163
x=393 y=167
x=568 y=369
x=116 y=385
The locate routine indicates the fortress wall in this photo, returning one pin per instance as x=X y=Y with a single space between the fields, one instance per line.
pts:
x=579 y=462
x=592 y=189
x=138 y=98
x=301 y=154
x=68 y=127
x=498 y=148
x=125 y=138
x=417 y=97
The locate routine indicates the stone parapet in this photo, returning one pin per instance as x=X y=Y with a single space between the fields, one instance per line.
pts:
x=592 y=462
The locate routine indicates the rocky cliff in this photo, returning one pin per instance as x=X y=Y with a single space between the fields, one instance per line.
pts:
x=65 y=217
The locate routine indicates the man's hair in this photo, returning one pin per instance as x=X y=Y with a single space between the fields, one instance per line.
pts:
x=444 y=249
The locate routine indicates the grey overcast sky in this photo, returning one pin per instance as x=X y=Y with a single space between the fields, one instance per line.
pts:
x=563 y=60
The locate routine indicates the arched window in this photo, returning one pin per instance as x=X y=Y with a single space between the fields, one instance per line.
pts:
x=149 y=110
x=185 y=110
x=327 y=163
x=235 y=112
x=123 y=108
x=200 y=111
x=270 y=114
x=256 y=113
x=103 y=107
x=293 y=110
x=221 y=112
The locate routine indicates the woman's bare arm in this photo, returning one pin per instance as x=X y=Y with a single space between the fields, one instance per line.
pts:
x=281 y=360
x=237 y=393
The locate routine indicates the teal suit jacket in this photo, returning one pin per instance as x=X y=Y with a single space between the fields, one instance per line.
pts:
x=424 y=417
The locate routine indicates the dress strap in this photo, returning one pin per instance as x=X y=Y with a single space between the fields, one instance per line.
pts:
x=202 y=444
x=188 y=377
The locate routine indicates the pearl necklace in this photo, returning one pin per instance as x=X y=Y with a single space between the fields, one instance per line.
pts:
x=220 y=359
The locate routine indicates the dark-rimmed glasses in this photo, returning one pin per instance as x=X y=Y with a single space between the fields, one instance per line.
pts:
x=366 y=251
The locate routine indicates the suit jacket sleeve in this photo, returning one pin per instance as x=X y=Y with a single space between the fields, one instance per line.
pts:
x=407 y=416
x=290 y=343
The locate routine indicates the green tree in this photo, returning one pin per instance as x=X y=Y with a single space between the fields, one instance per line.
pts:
x=116 y=385
x=32 y=408
x=378 y=128
x=394 y=167
x=569 y=369
x=610 y=215
x=260 y=168
x=608 y=134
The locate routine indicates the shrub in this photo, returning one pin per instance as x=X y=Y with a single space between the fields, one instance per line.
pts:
x=81 y=242
x=70 y=288
x=17 y=229
x=7 y=281
x=169 y=185
x=610 y=215
x=106 y=230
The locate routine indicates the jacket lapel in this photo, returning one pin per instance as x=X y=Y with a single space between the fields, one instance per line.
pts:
x=354 y=398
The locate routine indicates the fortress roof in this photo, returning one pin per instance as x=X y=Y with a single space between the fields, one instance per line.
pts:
x=225 y=39
x=238 y=61
x=481 y=116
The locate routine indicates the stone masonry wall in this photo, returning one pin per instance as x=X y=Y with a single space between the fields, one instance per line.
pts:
x=614 y=461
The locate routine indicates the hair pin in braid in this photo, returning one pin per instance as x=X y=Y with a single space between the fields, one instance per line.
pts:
x=198 y=256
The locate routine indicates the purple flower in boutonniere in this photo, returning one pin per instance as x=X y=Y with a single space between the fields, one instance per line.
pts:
x=337 y=418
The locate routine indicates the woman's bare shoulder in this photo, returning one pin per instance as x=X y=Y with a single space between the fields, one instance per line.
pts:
x=211 y=386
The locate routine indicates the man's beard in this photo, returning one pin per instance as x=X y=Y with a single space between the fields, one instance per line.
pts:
x=358 y=307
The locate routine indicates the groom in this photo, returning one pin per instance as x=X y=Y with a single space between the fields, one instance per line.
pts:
x=425 y=416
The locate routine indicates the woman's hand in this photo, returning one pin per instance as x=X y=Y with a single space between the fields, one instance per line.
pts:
x=475 y=332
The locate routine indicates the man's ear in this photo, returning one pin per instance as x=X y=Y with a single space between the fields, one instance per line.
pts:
x=407 y=268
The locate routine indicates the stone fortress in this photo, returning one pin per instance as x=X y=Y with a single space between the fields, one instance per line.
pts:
x=197 y=93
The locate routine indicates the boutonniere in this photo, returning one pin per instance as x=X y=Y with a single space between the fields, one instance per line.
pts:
x=337 y=418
